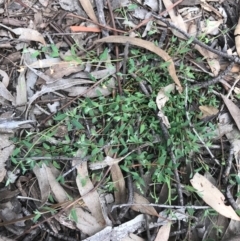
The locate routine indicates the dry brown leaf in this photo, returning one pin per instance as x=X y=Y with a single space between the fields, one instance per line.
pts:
x=7 y=148
x=59 y=70
x=212 y=59
x=211 y=27
x=41 y=175
x=105 y=90
x=212 y=196
x=163 y=233
x=237 y=37
x=45 y=63
x=147 y=45
x=5 y=93
x=29 y=34
x=119 y=184
x=176 y=19
x=87 y=6
x=21 y=89
x=207 y=111
x=57 y=190
x=90 y=196
x=162 y=96
x=233 y=109
x=139 y=199
x=86 y=222
x=44 y=2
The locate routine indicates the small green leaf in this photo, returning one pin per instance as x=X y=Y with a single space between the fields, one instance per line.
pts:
x=73 y=215
x=104 y=55
x=77 y=124
x=60 y=117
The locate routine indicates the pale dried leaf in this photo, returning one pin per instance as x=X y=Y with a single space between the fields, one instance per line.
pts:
x=163 y=233
x=87 y=6
x=29 y=34
x=89 y=195
x=44 y=2
x=211 y=27
x=21 y=89
x=41 y=175
x=45 y=63
x=208 y=111
x=59 y=85
x=139 y=199
x=212 y=59
x=176 y=19
x=237 y=37
x=57 y=190
x=5 y=93
x=147 y=45
x=162 y=96
x=10 y=123
x=59 y=70
x=105 y=90
x=6 y=147
x=152 y=4
x=233 y=109
x=119 y=184
x=119 y=232
x=212 y=196
x=87 y=223
x=5 y=78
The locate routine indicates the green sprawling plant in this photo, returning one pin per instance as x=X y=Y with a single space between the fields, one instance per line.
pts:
x=125 y=122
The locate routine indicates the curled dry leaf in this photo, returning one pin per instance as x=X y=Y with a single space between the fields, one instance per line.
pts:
x=41 y=175
x=208 y=111
x=212 y=59
x=212 y=196
x=163 y=233
x=233 y=109
x=89 y=195
x=57 y=190
x=119 y=184
x=29 y=34
x=176 y=19
x=161 y=100
x=87 y=6
x=139 y=199
x=147 y=45
x=5 y=93
x=237 y=37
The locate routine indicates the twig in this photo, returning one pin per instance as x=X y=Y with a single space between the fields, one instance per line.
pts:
x=216 y=79
x=100 y=25
x=228 y=165
x=125 y=59
x=194 y=130
x=196 y=41
x=162 y=206
x=230 y=198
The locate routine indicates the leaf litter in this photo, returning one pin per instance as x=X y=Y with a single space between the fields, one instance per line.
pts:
x=109 y=92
